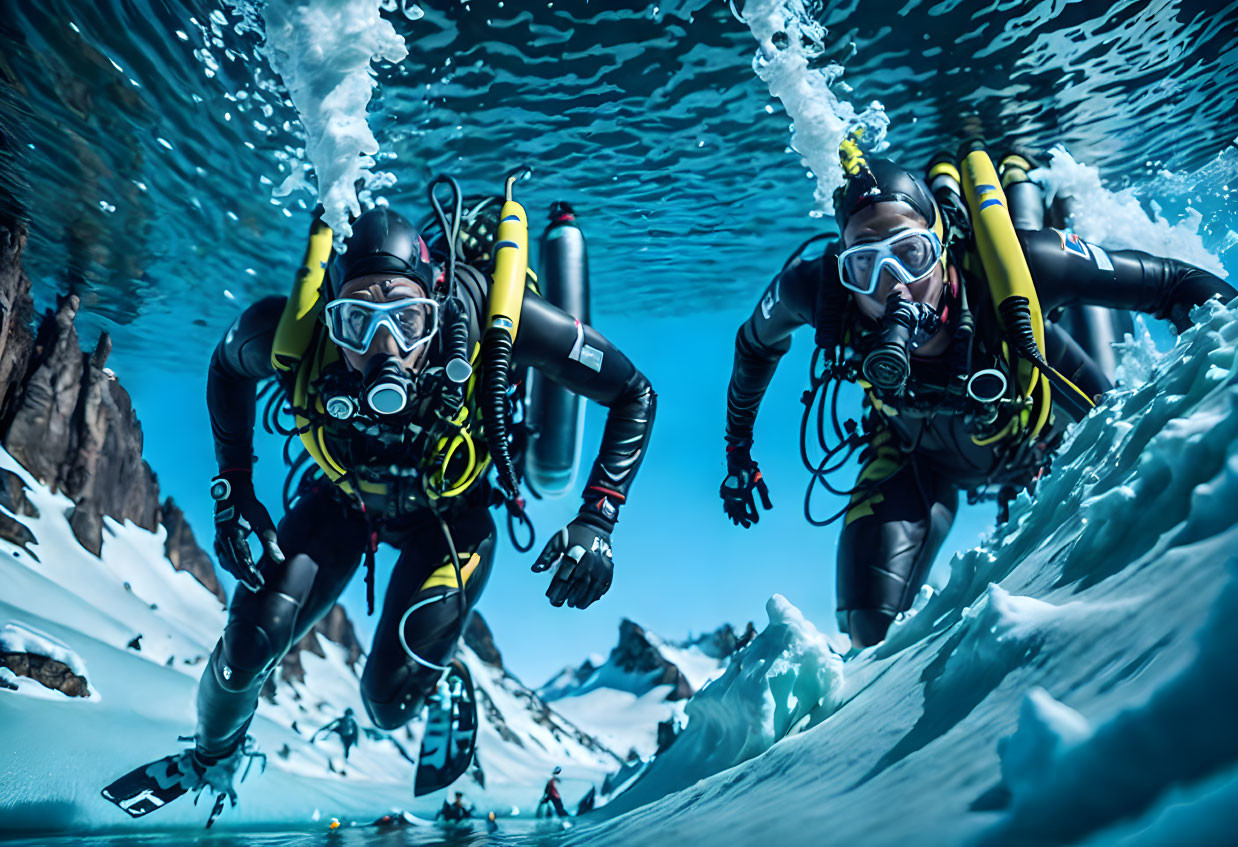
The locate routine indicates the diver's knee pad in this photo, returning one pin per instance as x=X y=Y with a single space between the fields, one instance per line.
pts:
x=398 y=698
x=261 y=626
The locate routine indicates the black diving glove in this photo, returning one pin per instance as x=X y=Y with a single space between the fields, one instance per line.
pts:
x=743 y=476
x=581 y=550
x=237 y=514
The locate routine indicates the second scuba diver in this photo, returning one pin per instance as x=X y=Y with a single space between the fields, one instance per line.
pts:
x=936 y=306
x=398 y=371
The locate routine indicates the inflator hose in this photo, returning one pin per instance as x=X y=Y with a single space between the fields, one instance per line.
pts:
x=496 y=357
x=1016 y=314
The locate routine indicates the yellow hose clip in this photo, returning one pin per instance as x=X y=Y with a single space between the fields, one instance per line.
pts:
x=850 y=156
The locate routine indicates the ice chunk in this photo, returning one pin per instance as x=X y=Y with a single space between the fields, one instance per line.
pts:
x=1116 y=220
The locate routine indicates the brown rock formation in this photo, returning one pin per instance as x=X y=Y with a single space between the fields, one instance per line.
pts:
x=635 y=654
x=479 y=639
x=49 y=672
x=69 y=422
x=16 y=313
x=334 y=627
x=184 y=552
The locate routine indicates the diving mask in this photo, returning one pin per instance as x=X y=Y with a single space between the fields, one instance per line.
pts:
x=352 y=324
x=908 y=255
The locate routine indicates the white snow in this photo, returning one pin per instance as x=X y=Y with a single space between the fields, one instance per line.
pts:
x=620 y=719
x=623 y=708
x=769 y=689
x=16 y=638
x=57 y=752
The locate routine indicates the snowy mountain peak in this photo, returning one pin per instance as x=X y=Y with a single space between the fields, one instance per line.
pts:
x=643 y=683
x=642 y=661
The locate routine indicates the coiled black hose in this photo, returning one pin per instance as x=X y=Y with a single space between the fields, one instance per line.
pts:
x=456 y=346
x=1016 y=313
x=496 y=356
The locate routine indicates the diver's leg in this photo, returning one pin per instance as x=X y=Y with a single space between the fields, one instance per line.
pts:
x=887 y=546
x=263 y=625
x=421 y=621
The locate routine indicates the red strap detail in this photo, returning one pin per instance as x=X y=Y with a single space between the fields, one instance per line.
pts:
x=606 y=491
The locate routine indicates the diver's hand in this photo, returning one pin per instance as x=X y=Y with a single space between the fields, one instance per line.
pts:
x=581 y=550
x=237 y=514
x=743 y=476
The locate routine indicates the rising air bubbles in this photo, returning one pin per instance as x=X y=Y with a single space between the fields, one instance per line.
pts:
x=789 y=40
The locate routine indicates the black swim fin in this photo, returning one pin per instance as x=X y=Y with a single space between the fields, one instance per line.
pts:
x=451 y=732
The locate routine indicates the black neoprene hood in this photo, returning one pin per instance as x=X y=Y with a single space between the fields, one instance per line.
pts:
x=382 y=242
x=882 y=181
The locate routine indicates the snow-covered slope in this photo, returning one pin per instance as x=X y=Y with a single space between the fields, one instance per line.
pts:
x=1073 y=682
x=57 y=751
x=644 y=682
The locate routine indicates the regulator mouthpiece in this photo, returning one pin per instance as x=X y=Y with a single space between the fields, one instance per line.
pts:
x=388 y=387
x=888 y=365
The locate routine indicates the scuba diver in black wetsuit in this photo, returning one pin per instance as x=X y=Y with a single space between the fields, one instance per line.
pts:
x=938 y=308
x=398 y=372
x=345 y=727
x=456 y=811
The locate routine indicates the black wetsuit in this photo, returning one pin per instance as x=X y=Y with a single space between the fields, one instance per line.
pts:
x=919 y=459
x=346 y=728
x=325 y=534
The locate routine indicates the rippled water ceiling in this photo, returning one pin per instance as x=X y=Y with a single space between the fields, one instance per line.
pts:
x=144 y=139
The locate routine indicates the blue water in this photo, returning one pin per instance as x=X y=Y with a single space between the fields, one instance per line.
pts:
x=148 y=182
x=145 y=167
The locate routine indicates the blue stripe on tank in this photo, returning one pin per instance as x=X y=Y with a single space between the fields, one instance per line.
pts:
x=987 y=203
x=503 y=244
x=511 y=218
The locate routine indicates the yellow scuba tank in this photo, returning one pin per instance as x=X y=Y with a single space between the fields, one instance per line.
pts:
x=511 y=264
x=296 y=325
x=1015 y=302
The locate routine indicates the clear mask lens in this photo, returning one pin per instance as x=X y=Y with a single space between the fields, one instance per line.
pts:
x=352 y=324
x=909 y=256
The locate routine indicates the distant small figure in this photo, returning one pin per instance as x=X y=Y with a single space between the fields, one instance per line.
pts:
x=551 y=795
x=492 y=825
x=456 y=811
x=345 y=727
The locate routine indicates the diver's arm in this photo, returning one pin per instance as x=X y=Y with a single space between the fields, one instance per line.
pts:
x=763 y=339
x=1068 y=271
x=241 y=359
x=579 y=358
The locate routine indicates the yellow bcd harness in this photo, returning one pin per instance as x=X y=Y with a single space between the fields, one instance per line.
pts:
x=1015 y=302
x=302 y=349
